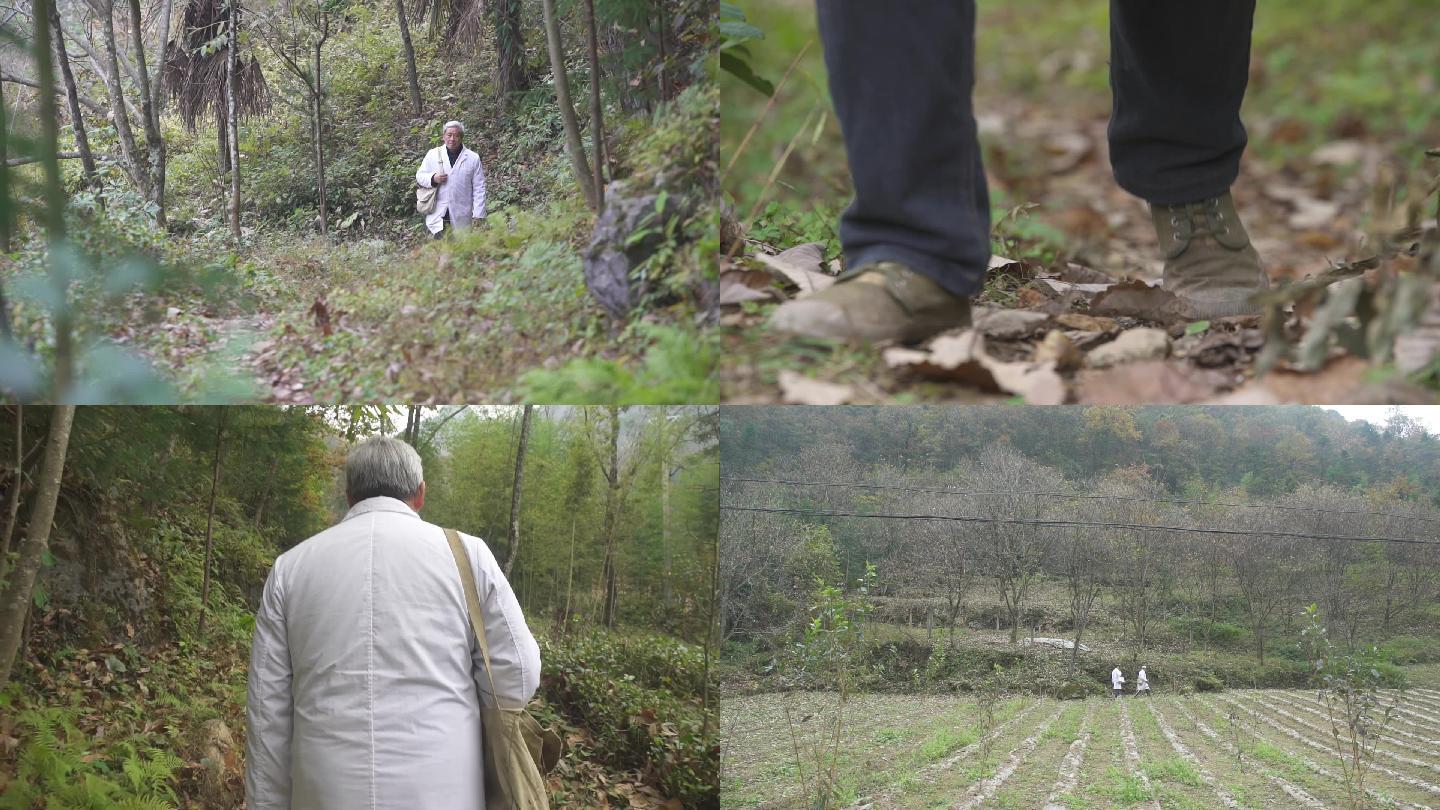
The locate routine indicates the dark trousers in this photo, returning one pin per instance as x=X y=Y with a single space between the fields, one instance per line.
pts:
x=901 y=75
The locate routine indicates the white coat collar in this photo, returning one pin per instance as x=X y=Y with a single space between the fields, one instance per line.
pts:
x=445 y=155
x=379 y=503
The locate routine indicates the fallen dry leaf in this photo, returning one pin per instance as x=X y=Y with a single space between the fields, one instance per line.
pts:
x=1008 y=323
x=1086 y=323
x=1056 y=348
x=1149 y=382
x=961 y=358
x=797 y=389
x=745 y=285
x=1136 y=299
x=801 y=265
x=1131 y=346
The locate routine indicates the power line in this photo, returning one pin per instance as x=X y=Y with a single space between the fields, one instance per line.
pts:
x=1080 y=496
x=1084 y=524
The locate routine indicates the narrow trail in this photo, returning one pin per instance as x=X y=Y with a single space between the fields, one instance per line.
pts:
x=986 y=788
x=1189 y=756
x=1293 y=791
x=1070 y=765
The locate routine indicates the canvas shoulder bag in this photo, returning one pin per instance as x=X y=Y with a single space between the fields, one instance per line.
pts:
x=516 y=747
x=426 y=199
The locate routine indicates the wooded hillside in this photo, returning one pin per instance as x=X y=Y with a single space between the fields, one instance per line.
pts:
x=1188 y=539
x=269 y=248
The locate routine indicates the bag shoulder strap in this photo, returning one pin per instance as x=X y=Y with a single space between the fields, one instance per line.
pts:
x=472 y=603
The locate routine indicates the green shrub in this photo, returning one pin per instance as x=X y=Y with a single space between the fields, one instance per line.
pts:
x=1410 y=650
x=591 y=682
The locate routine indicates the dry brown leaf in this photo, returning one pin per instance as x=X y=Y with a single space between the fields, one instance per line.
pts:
x=1086 y=323
x=797 y=389
x=961 y=358
x=1150 y=382
x=1067 y=150
x=1008 y=323
x=1132 y=346
x=801 y=265
x=737 y=286
x=1065 y=287
x=1057 y=349
x=1136 y=299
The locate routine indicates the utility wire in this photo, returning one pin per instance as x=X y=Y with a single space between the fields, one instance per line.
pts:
x=1085 y=524
x=1083 y=497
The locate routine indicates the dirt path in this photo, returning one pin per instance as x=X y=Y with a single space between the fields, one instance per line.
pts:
x=1055 y=296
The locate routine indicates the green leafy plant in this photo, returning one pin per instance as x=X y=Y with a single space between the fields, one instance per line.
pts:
x=829 y=644
x=1349 y=683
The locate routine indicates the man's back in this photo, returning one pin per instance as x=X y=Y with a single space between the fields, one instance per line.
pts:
x=366 y=623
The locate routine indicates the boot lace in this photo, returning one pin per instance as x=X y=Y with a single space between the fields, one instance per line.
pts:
x=1202 y=218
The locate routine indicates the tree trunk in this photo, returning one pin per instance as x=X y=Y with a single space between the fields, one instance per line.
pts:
x=663 y=28
x=12 y=502
x=6 y=217
x=232 y=113
x=510 y=48
x=157 y=89
x=54 y=212
x=569 y=578
x=15 y=601
x=154 y=141
x=265 y=494
x=514 y=550
x=573 y=145
x=410 y=74
x=665 y=530
x=210 y=517
x=105 y=9
x=72 y=98
x=597 y=118
x=317 y=113
x=222 y=138
x=612 y=507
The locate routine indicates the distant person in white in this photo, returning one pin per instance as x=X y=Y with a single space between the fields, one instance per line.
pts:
x=457 y=172
x=1117 y=681
x=365 y=677
x=1142 y=683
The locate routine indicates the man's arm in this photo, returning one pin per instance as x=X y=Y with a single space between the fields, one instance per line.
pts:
x=423 y=177
x=269 y=705
x=479 y=210
x=514 y=655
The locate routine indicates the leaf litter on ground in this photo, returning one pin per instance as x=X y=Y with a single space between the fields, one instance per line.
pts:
x=1066 y=331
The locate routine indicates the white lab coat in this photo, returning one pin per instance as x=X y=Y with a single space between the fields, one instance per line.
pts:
x=462 y=193
x=1116 y=679
x=364 y=670
x=1142 y=682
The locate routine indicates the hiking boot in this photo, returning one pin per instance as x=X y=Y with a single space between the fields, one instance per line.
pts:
x=1209 y=262
x=884 y=301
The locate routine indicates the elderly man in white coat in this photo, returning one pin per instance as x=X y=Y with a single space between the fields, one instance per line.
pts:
x=457 y=172
x=1117 y=681
x=366 y=680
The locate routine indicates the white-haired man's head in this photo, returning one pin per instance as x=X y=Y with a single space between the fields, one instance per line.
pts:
x=382 y=466
x=452 y=134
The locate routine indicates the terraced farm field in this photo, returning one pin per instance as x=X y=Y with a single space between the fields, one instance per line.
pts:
x=1236 y=749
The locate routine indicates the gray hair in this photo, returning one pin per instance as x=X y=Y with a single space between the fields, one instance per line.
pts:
x=381 y=465
x=455 y=124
